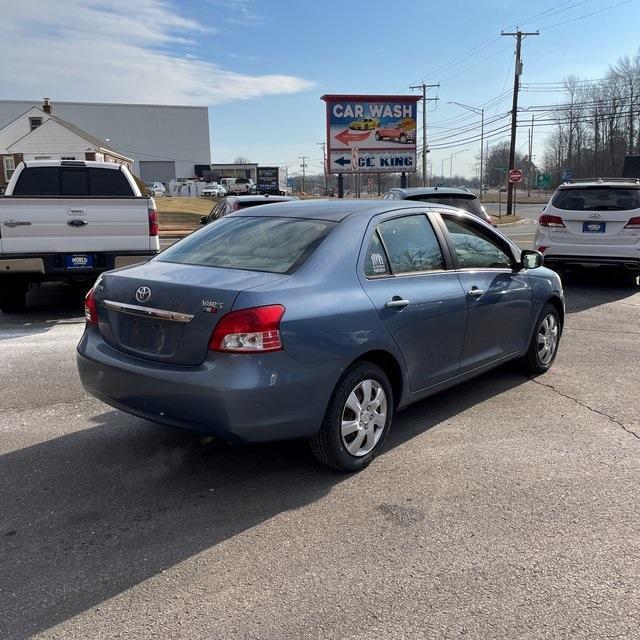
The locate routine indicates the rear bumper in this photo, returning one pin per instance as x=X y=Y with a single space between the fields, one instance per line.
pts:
x=51 y=266
x=241 y=397
x=552 y=260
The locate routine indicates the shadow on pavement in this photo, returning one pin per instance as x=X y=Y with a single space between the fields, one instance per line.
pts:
x=93 y=513
x=588 y=289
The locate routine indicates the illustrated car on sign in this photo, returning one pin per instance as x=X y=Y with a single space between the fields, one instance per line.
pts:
x=316 y=319
x=366 y=124
x=396 y=132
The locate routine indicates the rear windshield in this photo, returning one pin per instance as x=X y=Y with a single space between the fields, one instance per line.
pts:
x=242 y=181
x=255 y=203
x=72 y=181
x=275 y=245
x=597 y=199
x=466 y=203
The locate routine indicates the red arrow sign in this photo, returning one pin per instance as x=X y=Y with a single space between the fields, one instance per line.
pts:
x=515 y=175
x=347 y=136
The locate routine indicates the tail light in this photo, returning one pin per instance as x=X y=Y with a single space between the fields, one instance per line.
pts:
x=542 y=248
x=153 y=222
x=546 y=220
x=235 y=207
x=249 y=330
x=91 y=309
x=634 y=223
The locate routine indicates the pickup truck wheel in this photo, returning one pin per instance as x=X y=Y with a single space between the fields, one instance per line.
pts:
x=13 y=296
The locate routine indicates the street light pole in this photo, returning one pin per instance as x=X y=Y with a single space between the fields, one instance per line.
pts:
x=480 y=112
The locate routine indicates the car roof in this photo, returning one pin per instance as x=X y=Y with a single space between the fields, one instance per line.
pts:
x=262 y=197
x=428 y=191
x=626 y=184
x=334 y=210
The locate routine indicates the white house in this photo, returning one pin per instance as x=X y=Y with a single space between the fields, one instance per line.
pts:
x=37 y=134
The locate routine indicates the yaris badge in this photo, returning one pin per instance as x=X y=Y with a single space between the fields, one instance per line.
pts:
x=143 y=294
x=211 y=306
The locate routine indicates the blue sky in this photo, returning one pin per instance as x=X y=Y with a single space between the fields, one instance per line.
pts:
x=262 y=65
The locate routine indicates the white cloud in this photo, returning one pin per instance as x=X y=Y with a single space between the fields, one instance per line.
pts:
x=117 y=51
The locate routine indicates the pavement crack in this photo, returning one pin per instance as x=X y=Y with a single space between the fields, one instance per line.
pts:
x=586 y=406
x=633 y=333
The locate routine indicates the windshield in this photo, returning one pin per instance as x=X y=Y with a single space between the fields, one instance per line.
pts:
x=275 y=245
x=468 y=203
x=597 y=199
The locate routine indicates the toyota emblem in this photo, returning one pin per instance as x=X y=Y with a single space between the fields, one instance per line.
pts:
x=143 y=294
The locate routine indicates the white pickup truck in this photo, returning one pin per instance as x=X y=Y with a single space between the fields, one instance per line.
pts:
x=70 y=221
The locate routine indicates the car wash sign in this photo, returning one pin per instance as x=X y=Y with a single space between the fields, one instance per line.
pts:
x=371 y=133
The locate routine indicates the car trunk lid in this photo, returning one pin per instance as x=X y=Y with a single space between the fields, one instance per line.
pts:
x=166 y=312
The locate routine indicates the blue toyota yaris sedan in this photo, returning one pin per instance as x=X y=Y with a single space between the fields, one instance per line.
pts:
x=316 y=319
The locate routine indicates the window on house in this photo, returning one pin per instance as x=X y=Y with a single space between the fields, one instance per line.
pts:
x=9 y=167
x=34 y=123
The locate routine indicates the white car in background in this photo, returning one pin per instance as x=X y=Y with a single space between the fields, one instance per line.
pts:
x=156 y=189
x=592 y=223
x=213 y=190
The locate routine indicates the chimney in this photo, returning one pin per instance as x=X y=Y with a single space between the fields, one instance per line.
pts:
x=46 y=105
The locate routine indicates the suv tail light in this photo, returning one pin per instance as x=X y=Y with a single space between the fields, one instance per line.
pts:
x=91 y=309
x=153 y=222
x=634 y=223
x=546 y=220
x=249 y=330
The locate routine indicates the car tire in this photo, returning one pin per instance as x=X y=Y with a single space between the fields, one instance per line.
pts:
x=353 y=432
x=546 y=335
x=378 y=136
x=403 y=139
x=13 y=297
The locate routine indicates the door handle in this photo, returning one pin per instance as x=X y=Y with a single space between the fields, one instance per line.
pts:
x=475 y=292
x=396 y=303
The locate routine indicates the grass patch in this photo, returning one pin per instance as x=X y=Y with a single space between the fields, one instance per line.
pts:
x=505 y=219
x=185 y=206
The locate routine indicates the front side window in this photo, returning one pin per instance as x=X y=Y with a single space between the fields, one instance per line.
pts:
x=411 y=244
x=376 y=263
x=474 y=247
x=274 y=245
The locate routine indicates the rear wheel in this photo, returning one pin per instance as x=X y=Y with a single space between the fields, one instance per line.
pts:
x=378 y=136
x=403 y=138
x=13 y=295
x=357 y=421
x=543 y=347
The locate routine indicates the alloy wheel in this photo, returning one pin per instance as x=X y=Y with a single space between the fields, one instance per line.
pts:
x=547 y=339
x=364 y=417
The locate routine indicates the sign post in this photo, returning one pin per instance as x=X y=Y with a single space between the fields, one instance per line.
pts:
x=371 y=134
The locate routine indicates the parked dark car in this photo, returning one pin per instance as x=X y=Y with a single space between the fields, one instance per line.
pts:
x=459 y=198
x=237 y=203
x=317 y=320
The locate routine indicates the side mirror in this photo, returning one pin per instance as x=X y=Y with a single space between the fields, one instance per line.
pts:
x=530 y=259
x=204 y=219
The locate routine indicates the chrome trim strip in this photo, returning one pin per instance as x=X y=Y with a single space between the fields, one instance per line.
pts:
x=136 y=310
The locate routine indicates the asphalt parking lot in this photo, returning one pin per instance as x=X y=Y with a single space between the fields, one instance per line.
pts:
x=504 y=508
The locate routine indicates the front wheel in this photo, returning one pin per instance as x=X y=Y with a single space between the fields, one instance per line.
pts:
x=403 y=139
x=543 y=347
x=357 y=421
x=378 y=136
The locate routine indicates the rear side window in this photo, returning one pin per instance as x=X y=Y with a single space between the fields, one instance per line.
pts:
x=275 y=245
x=411 y=244
x=72 y=181
x=376 y=263
x=597 y=199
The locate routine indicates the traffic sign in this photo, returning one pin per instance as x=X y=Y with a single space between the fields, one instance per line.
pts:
x=515 y=175
x=543 y=181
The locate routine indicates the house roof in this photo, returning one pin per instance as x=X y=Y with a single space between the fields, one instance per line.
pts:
x=91 y=139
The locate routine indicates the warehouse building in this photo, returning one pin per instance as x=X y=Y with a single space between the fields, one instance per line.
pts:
x=164 y=142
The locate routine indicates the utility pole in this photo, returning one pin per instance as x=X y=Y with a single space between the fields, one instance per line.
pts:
x=304 y=170
x=425 y=150
x=530 y=158
x=324 y=164
x=514 y=110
